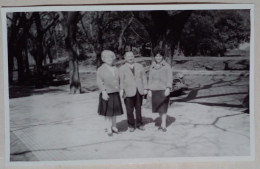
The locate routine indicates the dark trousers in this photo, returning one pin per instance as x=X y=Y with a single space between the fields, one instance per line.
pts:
x=132 y=103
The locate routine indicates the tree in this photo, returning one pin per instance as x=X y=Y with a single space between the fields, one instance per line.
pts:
x=213 y=32
x=17 y=43
x=99 y=30
x=125 y=26
x=164 y=28
x=38 y=38
x=69 y=21
x=12 y=36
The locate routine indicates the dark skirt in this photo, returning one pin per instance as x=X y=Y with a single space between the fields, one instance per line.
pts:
x=110 y=107
x=160 y=102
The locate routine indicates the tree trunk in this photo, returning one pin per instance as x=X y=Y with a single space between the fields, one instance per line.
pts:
x=50 y=55
x=70 y=28
x=12 y=41
x=10 y=62
x=99 y=48
x=120 y=39
x=20 y=64
x=39 y=46
x=26 y=62
x=55 y=45
x=75 y=85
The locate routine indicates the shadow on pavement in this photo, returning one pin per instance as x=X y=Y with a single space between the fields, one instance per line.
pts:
x=22 y=91
x=193 y=94
x=123 y=125
x=169 y=121
x=219 y=104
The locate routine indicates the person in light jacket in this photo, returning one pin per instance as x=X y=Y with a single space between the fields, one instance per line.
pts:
x=160 y=84
x=133 y=85
x=109 y=100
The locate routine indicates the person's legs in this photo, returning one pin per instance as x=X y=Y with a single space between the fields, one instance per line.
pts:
x=129 y=104
x=114 y=128
x=109 y=125
x=138 y=109
x=163 y=117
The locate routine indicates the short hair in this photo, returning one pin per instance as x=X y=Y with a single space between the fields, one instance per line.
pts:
x=129 y=53
x=158 y=50
x=106 y=53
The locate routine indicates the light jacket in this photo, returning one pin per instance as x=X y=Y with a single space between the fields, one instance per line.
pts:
x=130 y=82
x=106 y=80
x=160 y=76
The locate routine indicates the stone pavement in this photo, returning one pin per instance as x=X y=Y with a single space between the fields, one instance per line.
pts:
x=207 y=121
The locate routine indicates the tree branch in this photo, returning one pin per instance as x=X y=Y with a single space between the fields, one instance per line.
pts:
x=53 y=23
x=86 y=32
x=10 y=19
x=138 y=34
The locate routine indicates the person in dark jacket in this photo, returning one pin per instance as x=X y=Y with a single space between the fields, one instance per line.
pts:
x=160 y=84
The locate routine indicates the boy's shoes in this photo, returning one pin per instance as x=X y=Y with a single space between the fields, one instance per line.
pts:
x=141 y=128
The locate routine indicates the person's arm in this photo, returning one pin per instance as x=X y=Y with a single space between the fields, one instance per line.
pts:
x=150 y=82
x=170 y=77
x=101 y=85
x=150 y=78
x=121 y=81
x=100 y=81
x=169 y=80
x=144 y=77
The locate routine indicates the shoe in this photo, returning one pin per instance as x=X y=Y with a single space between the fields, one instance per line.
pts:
x=109 y=133
x=114 y=130
x=163 y=129
x=131 y=129
x=141 y=128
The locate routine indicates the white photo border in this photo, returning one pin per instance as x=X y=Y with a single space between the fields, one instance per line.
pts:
x=5 y=10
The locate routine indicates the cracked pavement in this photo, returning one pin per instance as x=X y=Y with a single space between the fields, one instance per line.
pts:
x=208 y=120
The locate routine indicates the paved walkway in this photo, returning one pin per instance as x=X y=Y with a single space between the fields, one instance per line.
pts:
x=208 y=120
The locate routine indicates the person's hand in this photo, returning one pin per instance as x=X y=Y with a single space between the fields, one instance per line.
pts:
x=145 y=91
x=167 y=92
x=121 y=93
x=149 y=93
x=105 y=95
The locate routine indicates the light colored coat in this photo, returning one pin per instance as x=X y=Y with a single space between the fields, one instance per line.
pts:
x=130 y=82
x=160 y=76
x=106 y=80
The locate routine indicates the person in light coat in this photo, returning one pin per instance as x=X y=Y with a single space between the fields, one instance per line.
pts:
x=133 y=85
x=109 y=100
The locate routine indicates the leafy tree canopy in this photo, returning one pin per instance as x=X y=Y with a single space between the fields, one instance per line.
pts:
x=212 y=33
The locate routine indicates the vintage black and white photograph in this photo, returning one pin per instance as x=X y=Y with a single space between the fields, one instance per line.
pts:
x=126 y=82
